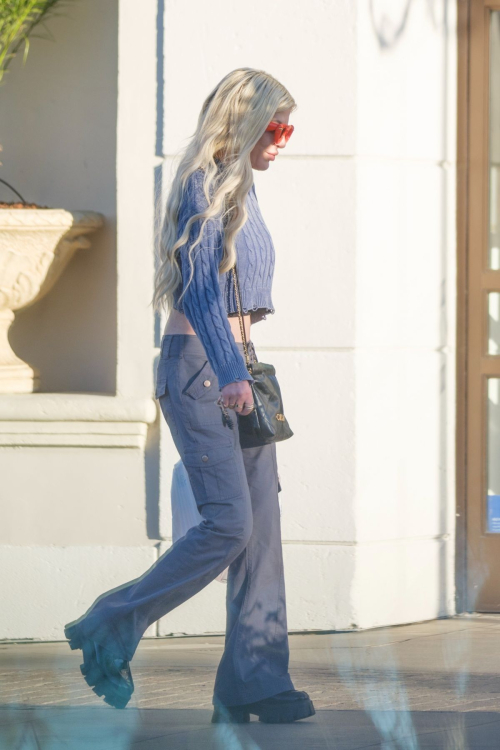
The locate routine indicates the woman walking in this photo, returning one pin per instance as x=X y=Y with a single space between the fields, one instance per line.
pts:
x=212 y=219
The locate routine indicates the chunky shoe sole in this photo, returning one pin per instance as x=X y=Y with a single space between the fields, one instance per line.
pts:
x=283 y=714
x=92 y=671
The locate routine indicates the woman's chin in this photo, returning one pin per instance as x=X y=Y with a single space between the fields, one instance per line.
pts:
x=262 y=165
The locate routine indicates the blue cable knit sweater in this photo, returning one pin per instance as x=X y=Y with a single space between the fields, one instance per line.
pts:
x=210 y=296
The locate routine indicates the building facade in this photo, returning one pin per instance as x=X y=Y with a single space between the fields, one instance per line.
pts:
x=367 y=211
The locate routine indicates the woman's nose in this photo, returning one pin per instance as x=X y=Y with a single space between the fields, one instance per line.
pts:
x=282 y=142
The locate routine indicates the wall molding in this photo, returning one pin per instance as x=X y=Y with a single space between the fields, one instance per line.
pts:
x=75 y=420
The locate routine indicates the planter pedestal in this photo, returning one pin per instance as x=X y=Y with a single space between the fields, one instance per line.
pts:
x=16 y=376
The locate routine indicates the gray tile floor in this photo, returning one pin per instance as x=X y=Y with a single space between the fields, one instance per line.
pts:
x=429 y=685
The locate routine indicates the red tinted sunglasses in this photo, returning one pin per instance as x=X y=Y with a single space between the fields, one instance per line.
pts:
x=280 y=130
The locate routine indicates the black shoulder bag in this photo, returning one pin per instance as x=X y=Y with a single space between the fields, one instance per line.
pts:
x=266 y=423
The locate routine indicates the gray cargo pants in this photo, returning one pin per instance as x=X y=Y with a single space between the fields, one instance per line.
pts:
x=236 y=491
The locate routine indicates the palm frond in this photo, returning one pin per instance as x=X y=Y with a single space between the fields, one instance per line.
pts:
x=18 y=19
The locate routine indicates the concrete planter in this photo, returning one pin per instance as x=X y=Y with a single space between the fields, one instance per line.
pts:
x=35 y=247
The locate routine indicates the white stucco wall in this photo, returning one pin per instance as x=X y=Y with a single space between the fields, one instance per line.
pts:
x=58 y=128
x=363 y=338
x=79 y=495
x=406 y=316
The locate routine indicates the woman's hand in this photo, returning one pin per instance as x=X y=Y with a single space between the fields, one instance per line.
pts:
x=239 y=392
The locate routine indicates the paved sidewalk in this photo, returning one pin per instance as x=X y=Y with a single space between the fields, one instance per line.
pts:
x=429 y=685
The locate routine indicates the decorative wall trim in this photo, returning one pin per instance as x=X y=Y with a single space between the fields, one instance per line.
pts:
x=75 y=420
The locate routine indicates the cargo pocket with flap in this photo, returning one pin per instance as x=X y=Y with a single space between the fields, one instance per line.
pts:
x=214 y=473
x=162 y=392
x=199 y=392
x=161 y=387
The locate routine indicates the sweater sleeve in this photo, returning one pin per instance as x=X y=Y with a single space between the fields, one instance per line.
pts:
x=203 y=304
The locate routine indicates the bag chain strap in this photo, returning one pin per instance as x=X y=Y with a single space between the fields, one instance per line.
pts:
x=242 y=327
x=238 y=303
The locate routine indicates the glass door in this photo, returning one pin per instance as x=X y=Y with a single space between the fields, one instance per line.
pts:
x=483 y=318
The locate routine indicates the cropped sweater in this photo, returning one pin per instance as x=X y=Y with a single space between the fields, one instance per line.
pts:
x=210 y=296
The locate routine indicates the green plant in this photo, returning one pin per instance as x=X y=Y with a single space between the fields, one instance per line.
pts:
x=18 y=18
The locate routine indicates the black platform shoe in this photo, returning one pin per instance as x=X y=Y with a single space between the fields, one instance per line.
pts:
x=108 y=675
x=279 y=709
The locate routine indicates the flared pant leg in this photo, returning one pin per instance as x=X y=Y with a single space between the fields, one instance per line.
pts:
x=256 y=654
x=236 y=494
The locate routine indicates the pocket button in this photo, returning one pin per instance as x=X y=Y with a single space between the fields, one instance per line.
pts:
x=204 y=458
x=206 y=383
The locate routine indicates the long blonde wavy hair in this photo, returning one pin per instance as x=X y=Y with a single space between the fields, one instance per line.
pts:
x=233 y=118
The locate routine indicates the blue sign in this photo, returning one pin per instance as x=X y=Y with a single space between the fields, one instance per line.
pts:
x=494 y=514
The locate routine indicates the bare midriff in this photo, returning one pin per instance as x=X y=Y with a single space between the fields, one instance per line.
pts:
x=178 y=323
